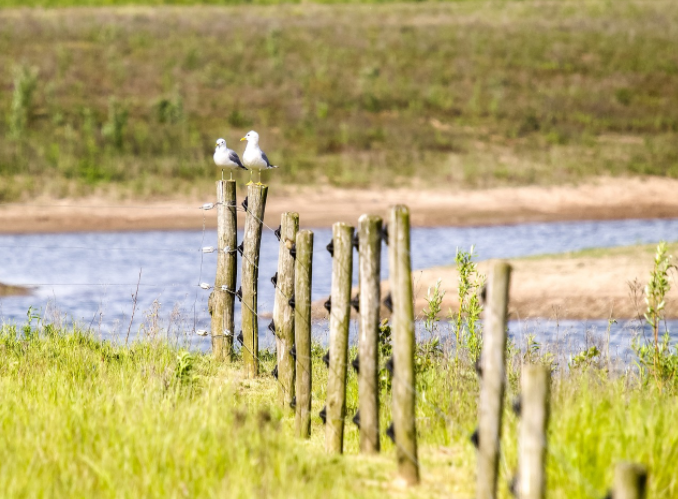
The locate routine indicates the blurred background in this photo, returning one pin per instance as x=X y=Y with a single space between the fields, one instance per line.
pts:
x=126 y=102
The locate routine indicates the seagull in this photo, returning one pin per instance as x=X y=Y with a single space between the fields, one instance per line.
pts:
x=253 y=157
x=226 y=158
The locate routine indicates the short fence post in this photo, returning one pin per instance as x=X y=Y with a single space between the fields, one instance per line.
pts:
x=283 y=312
x=630 y=480
x=492 y=363
x=342 y=265
x=534 y=415
x=256 y=205
x=369 y=249
x=402 y=326
x=222 y=301
x=302 y=332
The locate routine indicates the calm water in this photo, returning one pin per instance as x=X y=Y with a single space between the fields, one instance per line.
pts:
x=89 y=278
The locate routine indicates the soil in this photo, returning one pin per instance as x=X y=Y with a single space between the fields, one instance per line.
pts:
x=606 y=285
x=602 y=199
x=558 y=287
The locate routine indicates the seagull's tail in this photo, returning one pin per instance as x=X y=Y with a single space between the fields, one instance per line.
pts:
x=273 y=166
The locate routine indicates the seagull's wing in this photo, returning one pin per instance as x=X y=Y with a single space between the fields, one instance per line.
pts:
x=233 y=156
x=268 y=163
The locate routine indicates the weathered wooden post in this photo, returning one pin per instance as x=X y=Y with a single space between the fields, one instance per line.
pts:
x=222 y=301
x=630 y=480
x=534 y=415
x=342 y=265
x=302 y=332
x=283 y=312
x=256 y=205
x=402 y=327
x=369 y=249
x=492 y=362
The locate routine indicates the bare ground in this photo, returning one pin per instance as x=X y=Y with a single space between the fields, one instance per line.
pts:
x=564 y=287
x=600 y=199
x=9 y=290
x=592 y=284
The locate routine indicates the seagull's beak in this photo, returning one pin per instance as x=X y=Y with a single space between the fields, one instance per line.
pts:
x=244 y=138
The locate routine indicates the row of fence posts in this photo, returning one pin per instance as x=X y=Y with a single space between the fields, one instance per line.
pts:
x=291 y=325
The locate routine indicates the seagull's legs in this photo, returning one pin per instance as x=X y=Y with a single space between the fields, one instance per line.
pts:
x=259 y=183
x=222 y=174
x=250 y=182
x=231 y=175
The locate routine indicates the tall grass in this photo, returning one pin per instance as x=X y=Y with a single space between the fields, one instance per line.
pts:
x=25 y=81
x=82 y=418
x=451 y=93
x=85 y=419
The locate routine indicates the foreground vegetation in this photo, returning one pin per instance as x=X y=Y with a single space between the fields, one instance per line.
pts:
x=83 y=417
x=129 y=101
x=89 y=419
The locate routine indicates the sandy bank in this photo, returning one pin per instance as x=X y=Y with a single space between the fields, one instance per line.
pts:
x=596 y=200
x=592 y=284
x=9 y=290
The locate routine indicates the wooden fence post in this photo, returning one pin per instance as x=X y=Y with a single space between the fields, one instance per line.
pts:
x=534 y=415
x=342 y=266
x=283 y=312
x=222 y=302
x=630 y=480
x=369 y=249
x=302 y=332
x=402 y=326
x=256 y=205
x=492 y=362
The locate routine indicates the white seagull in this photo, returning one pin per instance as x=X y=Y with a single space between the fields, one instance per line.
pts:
x=226 y=158
x=253 y=157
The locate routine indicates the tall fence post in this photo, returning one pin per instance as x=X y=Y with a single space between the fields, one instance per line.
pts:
x=402 y=327
x=534 y=415
x=302 y=332
x=256 y=205
x=630 y=481
x=492 y=362
x=283 y=310
x=222 y=301
x=369 y=249
x=342 y=265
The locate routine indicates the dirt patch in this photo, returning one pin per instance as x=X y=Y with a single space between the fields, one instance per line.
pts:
x=570 y=286
x=593 y=284
x=9 y=290
x=602 y=199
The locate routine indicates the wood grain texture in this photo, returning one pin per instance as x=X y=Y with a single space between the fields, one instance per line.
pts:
x=402 y=327
x=492 y=361
x=342 y=266
x=369 y=250
x=302 y=332
x=283 y=313
x=256 y=201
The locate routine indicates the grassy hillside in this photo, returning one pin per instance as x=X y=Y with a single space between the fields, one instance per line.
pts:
x=130 y=100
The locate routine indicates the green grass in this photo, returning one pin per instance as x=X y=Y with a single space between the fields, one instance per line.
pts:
x=86 y=419
x=129 y=101
x=108 y=3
